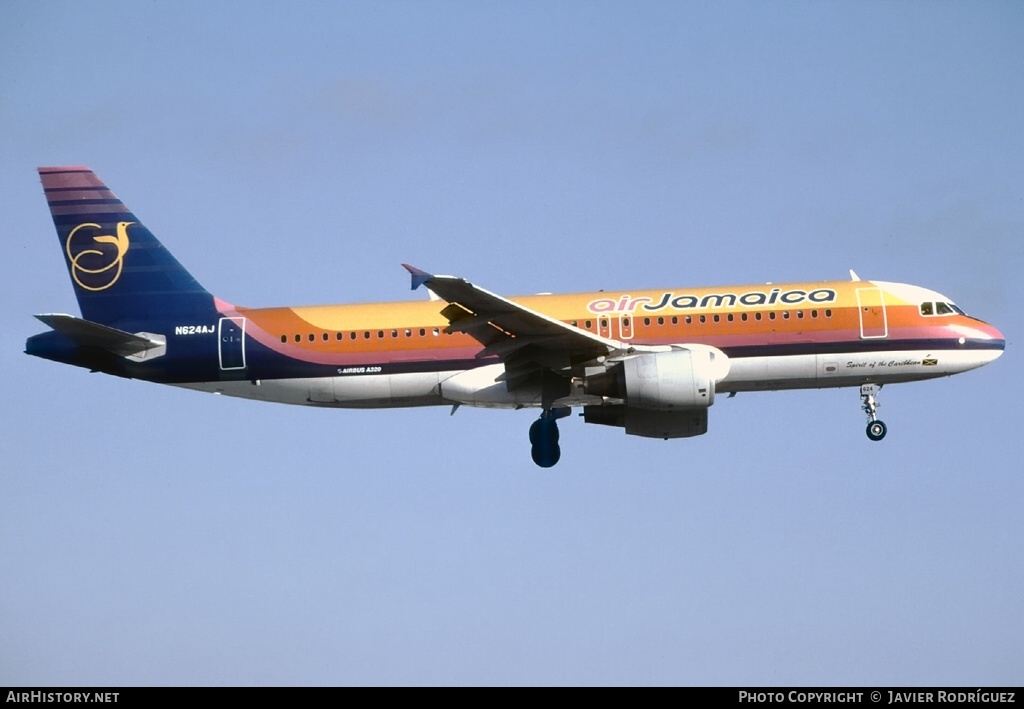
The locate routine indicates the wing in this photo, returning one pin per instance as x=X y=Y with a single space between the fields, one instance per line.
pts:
x=529 y=343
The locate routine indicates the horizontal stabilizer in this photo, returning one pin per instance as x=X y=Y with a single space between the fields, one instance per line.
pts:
x=90 y=334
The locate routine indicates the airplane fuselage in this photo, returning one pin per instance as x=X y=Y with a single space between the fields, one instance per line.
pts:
x=648 y=361
x=776 y=336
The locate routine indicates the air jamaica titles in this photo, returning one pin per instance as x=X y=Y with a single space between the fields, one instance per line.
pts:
x=686 y=301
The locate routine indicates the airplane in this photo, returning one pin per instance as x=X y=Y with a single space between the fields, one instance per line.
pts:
x=647 y=361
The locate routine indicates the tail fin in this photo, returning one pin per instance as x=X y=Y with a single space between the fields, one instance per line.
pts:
x=119 y=270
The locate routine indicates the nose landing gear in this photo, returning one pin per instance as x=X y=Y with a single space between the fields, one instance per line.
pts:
x=544 y=437
x=876 y=429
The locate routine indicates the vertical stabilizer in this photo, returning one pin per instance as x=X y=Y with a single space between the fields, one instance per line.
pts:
x=119 y=270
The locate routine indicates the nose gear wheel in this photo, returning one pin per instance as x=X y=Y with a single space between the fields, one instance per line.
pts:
x=876 y=429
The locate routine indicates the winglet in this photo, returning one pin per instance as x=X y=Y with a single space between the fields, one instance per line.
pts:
x=418 y=277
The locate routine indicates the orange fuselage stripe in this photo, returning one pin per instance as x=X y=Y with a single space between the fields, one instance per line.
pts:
x=410 y=326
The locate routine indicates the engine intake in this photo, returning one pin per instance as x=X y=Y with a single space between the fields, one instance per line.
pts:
x=659 y=381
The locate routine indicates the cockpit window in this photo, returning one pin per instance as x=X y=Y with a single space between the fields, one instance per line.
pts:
x=940 y=308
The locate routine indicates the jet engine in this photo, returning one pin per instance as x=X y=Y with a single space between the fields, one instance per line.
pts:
x=663 y=394
x=663 y=381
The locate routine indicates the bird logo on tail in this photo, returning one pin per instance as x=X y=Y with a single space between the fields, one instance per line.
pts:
x=97 y=264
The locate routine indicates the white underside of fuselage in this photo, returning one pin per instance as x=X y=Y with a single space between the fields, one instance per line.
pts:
x=366 y=391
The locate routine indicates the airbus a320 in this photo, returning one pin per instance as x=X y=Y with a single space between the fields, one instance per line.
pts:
x=650 y=362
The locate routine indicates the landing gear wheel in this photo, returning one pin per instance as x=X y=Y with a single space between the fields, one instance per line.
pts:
x=542 y=430
x=544 y=438
x=876 y=430
x=546 y=457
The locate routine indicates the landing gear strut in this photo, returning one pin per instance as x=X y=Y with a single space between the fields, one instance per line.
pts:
x=869 y=403
x=544 y=437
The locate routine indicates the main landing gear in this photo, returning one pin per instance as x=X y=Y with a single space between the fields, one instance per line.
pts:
x=869 y=403
x=544 y=437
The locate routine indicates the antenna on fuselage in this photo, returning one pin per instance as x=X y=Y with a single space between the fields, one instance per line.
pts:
x=854 y=276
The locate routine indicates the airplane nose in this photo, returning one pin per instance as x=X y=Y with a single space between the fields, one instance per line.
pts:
x=979 y=335
x=996 y=336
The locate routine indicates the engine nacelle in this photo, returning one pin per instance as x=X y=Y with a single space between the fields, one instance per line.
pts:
x=661 y=381
x=648 y=423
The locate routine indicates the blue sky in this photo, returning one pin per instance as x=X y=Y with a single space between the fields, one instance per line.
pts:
x=298 y=153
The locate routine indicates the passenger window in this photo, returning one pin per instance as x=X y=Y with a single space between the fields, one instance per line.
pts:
x=436 y=332
x=394 y=333
x=703 y=319
x=326 y=337
x=717 y=318
x=814 y=313
x=352 y=335
x=785 y=315
x=625 y=322
x=743 y=317
x=828 y=312
x=799 y=315
x=729 y=317
x=689 y=320
x=647 y=321
x=298 y=338
x=757 y=316
x=590 y=324
x=675 y=320
x=408 y=333
x=366 y=334
x=312 y=337
x=661 y=321
x=284 y=338
x=423 y=332
x=771 y=315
